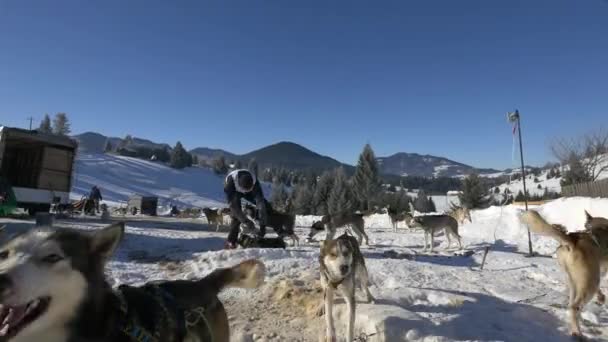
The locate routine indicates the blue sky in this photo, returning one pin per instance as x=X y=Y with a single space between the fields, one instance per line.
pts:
x=426 y=76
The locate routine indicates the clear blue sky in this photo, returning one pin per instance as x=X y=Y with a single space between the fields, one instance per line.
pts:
x=421 y=76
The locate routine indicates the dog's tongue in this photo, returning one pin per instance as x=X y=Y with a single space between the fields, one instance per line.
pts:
x=10 y=317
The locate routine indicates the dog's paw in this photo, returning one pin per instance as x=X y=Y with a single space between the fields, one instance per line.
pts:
x=577 y=336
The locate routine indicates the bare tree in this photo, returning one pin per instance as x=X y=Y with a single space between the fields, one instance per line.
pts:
x=590 y=150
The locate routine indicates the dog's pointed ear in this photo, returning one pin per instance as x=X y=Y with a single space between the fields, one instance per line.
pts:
x=106 y=240
x=587 y=216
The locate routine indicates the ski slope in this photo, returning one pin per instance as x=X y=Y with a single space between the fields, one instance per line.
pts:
x=121 y=177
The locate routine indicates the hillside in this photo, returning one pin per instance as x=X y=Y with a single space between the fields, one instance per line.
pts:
x=208 y=154
x=414 y=164
x=120 y=177
x=92 y=142
x=292 y=156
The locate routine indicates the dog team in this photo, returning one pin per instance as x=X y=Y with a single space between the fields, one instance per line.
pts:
x=75 y=302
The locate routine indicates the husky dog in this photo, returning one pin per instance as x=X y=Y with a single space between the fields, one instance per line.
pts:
x=433 y=223
x=342 y=264
x=582 y=255
x=461 y=214
x=214 y=216
x=397 y=217
x=53 y=289
x=332 y=222
x=281 y=223
x=105 y=214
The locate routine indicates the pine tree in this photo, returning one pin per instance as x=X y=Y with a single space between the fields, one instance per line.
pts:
x=108 y=147
x=577 y=173
x=473 y=192
x=220 y=166
x=366 y=181
x=431 y=204
x=422 y=202
x=322 y=191
x=520 y=197
x=339 y=201
x=45 y=125
x=194 y=159
x=61 y=125
x=497 y=190
x=180 y=158
x=279 y=196
x=253 y=167
x=303 y=199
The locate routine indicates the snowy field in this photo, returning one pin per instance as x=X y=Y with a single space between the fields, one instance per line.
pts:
x=420 y=296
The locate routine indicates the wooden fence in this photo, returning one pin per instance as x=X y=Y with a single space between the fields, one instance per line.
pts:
x=591 y=189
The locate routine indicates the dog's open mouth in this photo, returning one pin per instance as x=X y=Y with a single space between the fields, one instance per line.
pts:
x=16 y=318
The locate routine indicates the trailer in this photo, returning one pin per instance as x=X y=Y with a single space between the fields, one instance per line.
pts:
x=37 y=166
x=145 y=205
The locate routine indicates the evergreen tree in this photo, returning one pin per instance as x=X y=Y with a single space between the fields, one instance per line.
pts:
x=421 y=203
x=162 y=154
x=339 y=201
x=108 y=147
x=303 y=199
x=279 y=196
x=431 y=204
x=520 y=196
x=473 y=193
x=497 y=190
x=220 y=166
x=577 y=173
x=253 y=167
x=61 y=125
x=194 y=159
x=45 y=125
x=322 y=191
x=366 y=181
x=180 y=158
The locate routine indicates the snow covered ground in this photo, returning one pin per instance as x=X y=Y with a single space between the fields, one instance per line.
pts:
x=420 y=296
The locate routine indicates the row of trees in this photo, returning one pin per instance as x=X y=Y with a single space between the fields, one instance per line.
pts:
x=60 y=124
x=334 y=191
x=177 y=157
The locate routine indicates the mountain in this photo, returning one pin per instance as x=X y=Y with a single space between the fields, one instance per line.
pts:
x=292 y=156
x=93 y=142
x=204 y=153
x=413 y=164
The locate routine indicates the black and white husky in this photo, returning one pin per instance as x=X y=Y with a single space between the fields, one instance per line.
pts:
x=53 y=289
x=342 y=266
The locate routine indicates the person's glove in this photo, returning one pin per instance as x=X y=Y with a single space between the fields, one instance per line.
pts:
x=250 y=226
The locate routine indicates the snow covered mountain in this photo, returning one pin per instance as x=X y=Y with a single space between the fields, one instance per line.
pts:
x=414 y=164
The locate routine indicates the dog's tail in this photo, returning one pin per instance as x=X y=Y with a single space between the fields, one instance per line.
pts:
x=539 y=226
x=248 y=274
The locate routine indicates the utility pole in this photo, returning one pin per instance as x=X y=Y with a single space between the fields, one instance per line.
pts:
x=30 y=119
x=515 y=118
